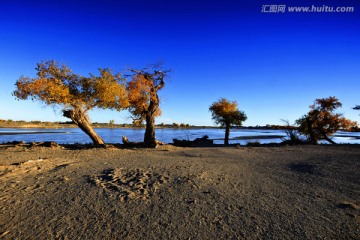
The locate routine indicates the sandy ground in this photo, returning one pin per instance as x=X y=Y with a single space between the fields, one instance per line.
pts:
x=300 y=192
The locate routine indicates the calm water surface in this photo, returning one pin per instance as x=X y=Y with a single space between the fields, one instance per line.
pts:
x=113 y=135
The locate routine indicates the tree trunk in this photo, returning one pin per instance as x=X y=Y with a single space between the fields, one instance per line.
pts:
x=78 y=116
x=227 y=134
x=149 y=137
x=313 y=138
x=328 y=139
x=151 y=111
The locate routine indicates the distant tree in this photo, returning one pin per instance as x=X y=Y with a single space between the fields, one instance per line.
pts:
x=144 y=100
x=56 y=85
x=226 y=113
x=112 y=122
x=322 y=121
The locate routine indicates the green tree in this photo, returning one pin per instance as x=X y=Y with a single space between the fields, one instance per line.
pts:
x=144 y=100
x=322 y=121
x=112 y=123
x=226 y=113
x=57 y=85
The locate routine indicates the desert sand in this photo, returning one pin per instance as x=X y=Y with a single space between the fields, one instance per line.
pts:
x=288 y=192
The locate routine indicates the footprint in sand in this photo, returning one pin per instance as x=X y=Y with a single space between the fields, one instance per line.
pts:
x=130 y=184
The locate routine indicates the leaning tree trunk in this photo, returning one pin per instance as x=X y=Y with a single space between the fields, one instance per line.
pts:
x=78 y=116
x=327 y=138
x=227 y=134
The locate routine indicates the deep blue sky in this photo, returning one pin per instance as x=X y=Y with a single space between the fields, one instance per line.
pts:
x=273 y=64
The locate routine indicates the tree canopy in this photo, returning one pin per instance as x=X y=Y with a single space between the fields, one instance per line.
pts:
x=142 y=89
x=57 y=85
x=322 y=121
x=144 y=100
x=226 y=113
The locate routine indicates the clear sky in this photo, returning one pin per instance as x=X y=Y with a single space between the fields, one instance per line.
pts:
x=273 y=64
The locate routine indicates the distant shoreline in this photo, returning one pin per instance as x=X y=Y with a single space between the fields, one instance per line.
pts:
x=35 y=132
x=61 y=125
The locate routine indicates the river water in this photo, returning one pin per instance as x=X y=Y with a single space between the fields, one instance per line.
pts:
x=113 y=135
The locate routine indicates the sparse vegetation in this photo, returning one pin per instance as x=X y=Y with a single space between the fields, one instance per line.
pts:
x=291 y=133
x=57 y=85
x=253 y=144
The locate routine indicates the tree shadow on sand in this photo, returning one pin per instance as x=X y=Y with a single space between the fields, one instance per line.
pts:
x=303 y=168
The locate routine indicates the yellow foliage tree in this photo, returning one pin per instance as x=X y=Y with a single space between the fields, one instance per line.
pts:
x=226 y=113
x=144 y=100
x=57 y=85
x=322 y=121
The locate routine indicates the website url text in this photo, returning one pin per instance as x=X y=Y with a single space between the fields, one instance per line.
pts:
x=312 y=9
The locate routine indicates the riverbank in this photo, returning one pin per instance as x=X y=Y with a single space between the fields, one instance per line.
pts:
x=169 y=193
x=40 y=124
x=56 y=125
